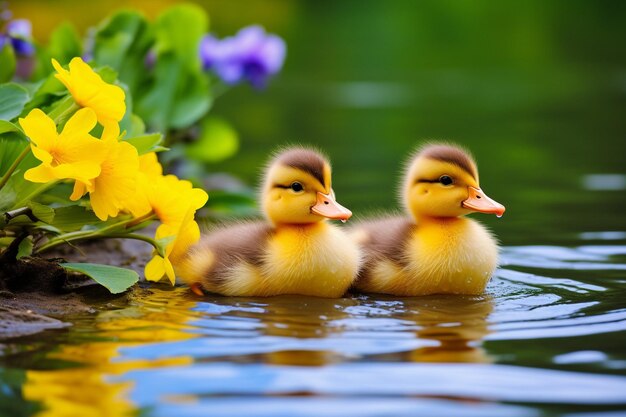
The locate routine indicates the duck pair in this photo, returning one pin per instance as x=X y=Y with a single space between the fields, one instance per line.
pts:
x=432 y=250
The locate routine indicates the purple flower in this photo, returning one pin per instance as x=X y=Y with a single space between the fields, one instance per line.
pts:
x=20 y=33
x=250 y=55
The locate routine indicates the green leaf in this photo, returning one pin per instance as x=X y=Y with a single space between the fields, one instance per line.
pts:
x=25 y=248
x=137 y=127
x=42 y=212
x=65 y=43
x=217 y=141
x=46 y=93
x=73 y=218
x=9 y=127
x=115 y=279
x=178 y=98
x=179 y=30
x=13 y=97
x=147 y=143
x=7 y=63
x=122 y=41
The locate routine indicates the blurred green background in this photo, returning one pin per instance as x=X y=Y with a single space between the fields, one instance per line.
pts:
x=536 y=89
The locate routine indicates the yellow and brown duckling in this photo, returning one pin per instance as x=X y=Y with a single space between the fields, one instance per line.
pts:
x=295 y=251
x=435 y=249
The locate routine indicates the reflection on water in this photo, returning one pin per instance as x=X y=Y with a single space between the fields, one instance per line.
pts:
x=81 y=387
x=548 y=335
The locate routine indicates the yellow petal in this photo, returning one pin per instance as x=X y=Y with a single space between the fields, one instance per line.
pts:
x=169 y=270
x=89 y=90
x=81 y=123
x=79 y=191
x=111 y=131
x=42 y=173
x=40 y=129
x=149 y=165
x=154 y=269
x=41 y=154
x=82 y=171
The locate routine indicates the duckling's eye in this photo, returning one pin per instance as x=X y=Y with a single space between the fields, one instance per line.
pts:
x=296 y=186
x=446 y=180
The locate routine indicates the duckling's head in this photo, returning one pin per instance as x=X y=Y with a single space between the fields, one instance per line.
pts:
x=442 y=181
x=297 y=189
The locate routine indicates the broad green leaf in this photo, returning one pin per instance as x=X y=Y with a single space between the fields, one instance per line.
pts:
x=48 y=91
x=20 y=215
x=7 y=63
x=9 y=127
x=217 y=141
x=179 y=30
x=115 y=279
x=107 y=73
x=65 y=43
x=147 y=143
x=73 y=218
x=13 y=97
x=122 y=42
x=192 y=102
x=137 y=127
x=25 y=248
x=115 y=37
x=178 y=98
x=42 y=212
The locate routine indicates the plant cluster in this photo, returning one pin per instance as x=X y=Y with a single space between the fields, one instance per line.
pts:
x=78 y=152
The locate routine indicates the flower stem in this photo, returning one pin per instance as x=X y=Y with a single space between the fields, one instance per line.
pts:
x=14 y=165
x=105 y=232
x=64 y=109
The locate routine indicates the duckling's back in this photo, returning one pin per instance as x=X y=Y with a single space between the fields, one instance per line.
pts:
x=228 y=259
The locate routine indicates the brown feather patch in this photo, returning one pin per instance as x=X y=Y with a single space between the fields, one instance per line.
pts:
x=231 y=245
x=450 y=154
x=386 y=239
x=305 y=160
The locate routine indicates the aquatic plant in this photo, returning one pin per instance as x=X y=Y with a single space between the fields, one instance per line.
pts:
x=78 y=141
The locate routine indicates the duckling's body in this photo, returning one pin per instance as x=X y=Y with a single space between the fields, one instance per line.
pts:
x=295 y=252
x=433 y=250
x=449 y=256
x=256 y=259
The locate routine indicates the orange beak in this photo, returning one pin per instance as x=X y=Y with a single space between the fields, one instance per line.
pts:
x=478 y=201
x=327 y=206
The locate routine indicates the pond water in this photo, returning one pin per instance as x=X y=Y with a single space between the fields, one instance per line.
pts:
x=548 y=338
x=540 y=98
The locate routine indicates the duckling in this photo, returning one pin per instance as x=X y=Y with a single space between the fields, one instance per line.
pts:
x=295 y=251
x=435 y=249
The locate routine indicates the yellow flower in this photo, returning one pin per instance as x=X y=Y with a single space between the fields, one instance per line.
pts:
x=73 y=154
x=185 y=234
x=150 y=170
x=117 y=179
x=89 y=90
x=165 y=195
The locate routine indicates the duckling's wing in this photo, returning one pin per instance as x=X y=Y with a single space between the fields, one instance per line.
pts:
x=226 y=247
x=384 y=238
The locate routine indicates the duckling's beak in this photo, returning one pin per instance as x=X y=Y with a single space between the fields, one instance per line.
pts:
x=327 y=206
x=478 y=201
